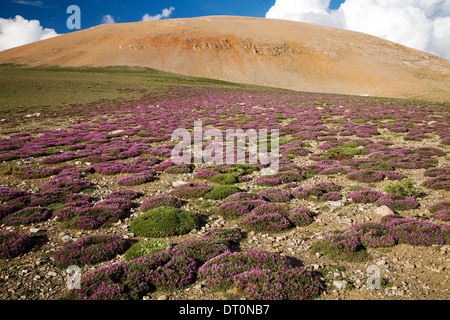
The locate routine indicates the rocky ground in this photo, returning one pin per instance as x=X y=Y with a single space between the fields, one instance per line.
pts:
x=407 y=272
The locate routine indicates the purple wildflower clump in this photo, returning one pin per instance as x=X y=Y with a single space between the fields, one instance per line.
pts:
x=108 y=283
x=206 y=173
x=201 y=250
x=367 y=176
x=234 y=209
x=320 y=191
x=28 y=216
x=66 y=184
x=275 y=195
x=162 y=201
x=301 y=217
x=228 y=236
x=219 y=271
x=90 y=250
x=89 y=218
x=441 y=182
x=67 y=156
x=170 y=167
x=441 y=210
x=13 y=243
x=397 y=202
x=67 y=213
x=365 y=196
x=146 y=161
x=265 y=208
x=244 y=196
x=436 y=172
x=394 y=175
x=268 y=181
x=8 y=194
x=293 y=283
x=191 y=190
x=37 y=173
x=332 y=196
x=136 y=179
x=109 y=168
x=121 y=203
x=125 y=194
x=373 y=234
x=166 y=270
x=266 y=222
x=6 y=210
x=343 y=242
x=416 y=232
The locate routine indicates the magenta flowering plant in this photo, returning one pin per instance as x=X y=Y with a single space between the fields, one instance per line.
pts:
x=397 y=202
x=301 y=217
x=228 y=236
x=441 y=210
x=128 y=194
x=162 y=201
x=266 y=222
x=201 y=250
x=28 y=216
x=136 y=179
x=14 y=243
x=90 y=249
x=219 y=271
x=271 y=208
x=191 y=190
x=289 y=283
x=275 y=195
x=365 y=196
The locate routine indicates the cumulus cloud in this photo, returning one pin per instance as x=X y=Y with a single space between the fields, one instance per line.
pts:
x=164 y=14
x=18 y=31
x=107 y=19
x=420 y=24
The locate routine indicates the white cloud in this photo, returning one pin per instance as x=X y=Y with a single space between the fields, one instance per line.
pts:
x=164 y=14
x=18 y=31
x=107 y=19
x=39 y=4
x=420 y=24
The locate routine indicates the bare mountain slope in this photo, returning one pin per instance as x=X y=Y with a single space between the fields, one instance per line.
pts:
x=276 y=53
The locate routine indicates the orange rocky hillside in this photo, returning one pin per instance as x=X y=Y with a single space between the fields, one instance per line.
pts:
x=277 y=53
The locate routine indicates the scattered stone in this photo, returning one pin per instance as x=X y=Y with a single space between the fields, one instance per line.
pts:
x=340 y=284
x=163 y=297
x=383 y=211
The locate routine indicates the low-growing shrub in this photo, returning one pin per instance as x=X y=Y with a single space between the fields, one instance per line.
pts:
x=219 y=271
x=28 y=216
x=397 y=202
x=275 y=195
x=164 y=222
x=441 y=210
x=191 y=190
x=143 y=248
x=266 y=222
x=13 y=243
x=201 y=250
x=404 y=188
x=286 y=284
x=221 y=192
x=90 y=250
x=301 y=217
x=225 y=178
x=229 y=236
x=162 y=201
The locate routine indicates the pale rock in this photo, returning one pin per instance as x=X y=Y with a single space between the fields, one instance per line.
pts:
x=383 y=211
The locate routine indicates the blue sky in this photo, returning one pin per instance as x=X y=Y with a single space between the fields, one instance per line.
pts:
x=420 y=24
x=52 y=14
